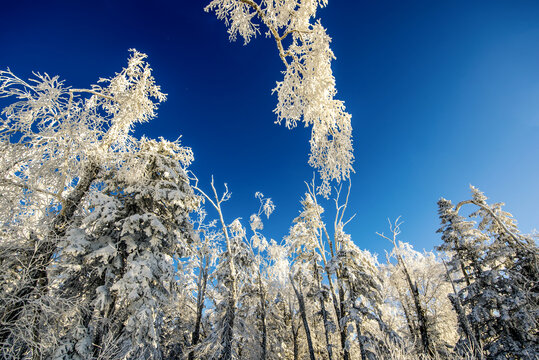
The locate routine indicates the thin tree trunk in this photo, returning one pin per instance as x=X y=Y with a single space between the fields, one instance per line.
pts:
x=339 y=304
x=203 y=279
x=421 y=315
x=333 y=294
x=295 y=333
x=462 y=318
x=324 y=314
x=230 y=281
x=409 y=320
x=360 y=339
x=228 y=332
x=361 y=342
x=343 y=332
x=263 y=316
x=303 y=313
x=477 y=333
x=326 y=329
x=339 y=309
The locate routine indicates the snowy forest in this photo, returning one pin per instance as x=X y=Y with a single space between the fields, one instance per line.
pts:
x=111 y=247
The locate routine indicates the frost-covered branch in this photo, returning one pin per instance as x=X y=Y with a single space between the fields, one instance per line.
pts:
x=477 y=200
x=307 y=92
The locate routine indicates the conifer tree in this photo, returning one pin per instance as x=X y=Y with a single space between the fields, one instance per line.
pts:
x=120 y=260
x=500 y=291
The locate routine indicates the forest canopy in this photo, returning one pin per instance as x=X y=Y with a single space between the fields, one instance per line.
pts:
x=112 y=248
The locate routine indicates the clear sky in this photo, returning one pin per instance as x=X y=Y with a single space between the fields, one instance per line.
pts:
x=443 y=94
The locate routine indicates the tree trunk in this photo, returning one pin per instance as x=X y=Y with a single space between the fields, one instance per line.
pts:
x=343 y=332
x=295 y=333
x=203 y=279
x=461 y=315
x=230 y=283
x=263 y=318
x=303 y=313
x=421 y=315
x=339 y=305
x=361 y=342
x=409 y=320
x=324 y=314
x=476 y=331
x=228 y=332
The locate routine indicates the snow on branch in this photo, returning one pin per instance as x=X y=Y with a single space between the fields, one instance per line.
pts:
x=51 y=130
x=307 y=92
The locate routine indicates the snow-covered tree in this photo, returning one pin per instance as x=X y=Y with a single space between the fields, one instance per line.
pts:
x=307 y=92
x=499 y=288
x=195 y=277
x=54 y=141
x=106 y=251
x=345 y=279
x=465 y=246
x=258 y=256
x=419 y=284
x=120 y=260
x=221 y=340
x=240 y=294
x=306 y=244
x=362 y=278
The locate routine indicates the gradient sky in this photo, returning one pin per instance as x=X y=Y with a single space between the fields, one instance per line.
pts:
x=443 y=94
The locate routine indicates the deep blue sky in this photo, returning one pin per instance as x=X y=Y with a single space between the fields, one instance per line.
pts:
x=443 y=94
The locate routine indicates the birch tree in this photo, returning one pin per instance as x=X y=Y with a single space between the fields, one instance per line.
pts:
x=220 y=343
x=198 y=268
x=306 y=241
x=336 y=260
x=259 y=252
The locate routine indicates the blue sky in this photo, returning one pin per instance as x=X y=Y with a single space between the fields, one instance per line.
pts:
x=443 y=94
